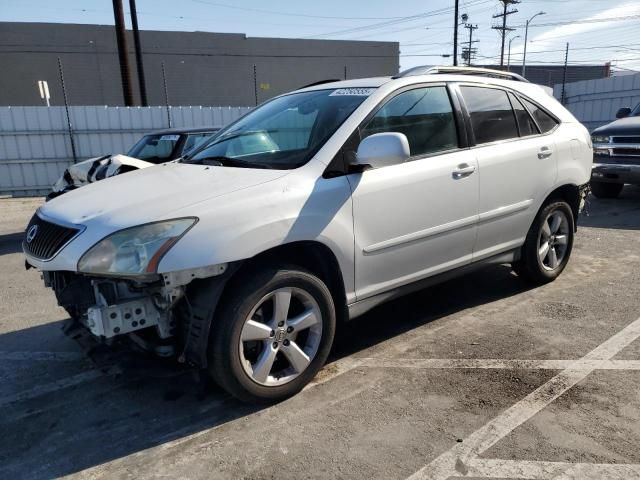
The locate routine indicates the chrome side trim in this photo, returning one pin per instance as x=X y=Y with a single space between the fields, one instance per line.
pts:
x=448 y=227
x=504 y=211
x=420 y=235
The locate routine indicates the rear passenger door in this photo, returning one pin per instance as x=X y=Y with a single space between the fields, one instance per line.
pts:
x=516 y=162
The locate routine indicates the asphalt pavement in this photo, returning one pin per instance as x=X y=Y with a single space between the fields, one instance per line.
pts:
x=479 y=377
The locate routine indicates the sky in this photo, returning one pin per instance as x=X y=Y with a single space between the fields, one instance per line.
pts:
x=597 y=31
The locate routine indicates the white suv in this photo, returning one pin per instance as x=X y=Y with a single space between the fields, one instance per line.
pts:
x=310 y=210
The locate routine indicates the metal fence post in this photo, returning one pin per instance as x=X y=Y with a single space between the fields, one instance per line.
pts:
x=255 y=83
x=166 y=94
x=66 y=108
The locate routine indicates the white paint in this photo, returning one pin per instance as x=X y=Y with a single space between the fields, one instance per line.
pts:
x=41 y=356
x=454 y=461
x=50 y=387
x=493 y=364
x=533 y=470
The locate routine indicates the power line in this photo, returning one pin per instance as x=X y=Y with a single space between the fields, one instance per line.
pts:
x=504 y=29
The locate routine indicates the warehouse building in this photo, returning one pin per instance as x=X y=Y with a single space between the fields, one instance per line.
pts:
x=181 y=68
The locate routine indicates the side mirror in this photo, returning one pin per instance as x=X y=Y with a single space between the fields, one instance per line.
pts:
x=623 y=112
x=382 y=150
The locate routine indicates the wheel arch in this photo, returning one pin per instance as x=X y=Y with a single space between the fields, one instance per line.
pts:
x=204 y=295
x=311 y=255
x=570 y=193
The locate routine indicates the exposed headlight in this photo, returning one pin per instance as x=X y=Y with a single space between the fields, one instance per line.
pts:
x=136 y=250
x=599 y=138
x=601 y=151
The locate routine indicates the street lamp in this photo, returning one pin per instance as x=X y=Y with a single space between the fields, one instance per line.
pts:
x=509 y=56
x=526 y=34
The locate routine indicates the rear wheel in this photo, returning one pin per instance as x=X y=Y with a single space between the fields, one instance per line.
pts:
x=606 y=190
x=548 y=244
x=272 y=333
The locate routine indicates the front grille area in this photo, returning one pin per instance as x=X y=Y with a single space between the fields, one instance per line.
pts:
x=43 y=240
x=625 y=139
x=626 y=152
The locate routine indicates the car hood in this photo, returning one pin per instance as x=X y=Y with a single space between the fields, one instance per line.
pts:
x=624 y=126
x=152 y=193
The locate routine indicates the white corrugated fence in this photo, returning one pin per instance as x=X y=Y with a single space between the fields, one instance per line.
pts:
x=35 y=142
x=595 y=102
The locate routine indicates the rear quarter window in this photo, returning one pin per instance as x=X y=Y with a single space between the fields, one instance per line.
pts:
x=545 y=121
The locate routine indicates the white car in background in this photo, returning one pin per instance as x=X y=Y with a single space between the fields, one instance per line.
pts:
x=312 y=209
x=152 y=149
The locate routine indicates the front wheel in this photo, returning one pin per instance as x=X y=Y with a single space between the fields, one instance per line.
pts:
x=548 y=245
x=272 y=333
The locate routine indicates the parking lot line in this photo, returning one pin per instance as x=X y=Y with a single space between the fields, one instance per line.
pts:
x=454 y=461
x=493 y=364
x=533 y=470
x=51 y=387
x=42 y=356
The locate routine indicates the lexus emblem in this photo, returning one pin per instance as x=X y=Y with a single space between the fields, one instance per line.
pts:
x=31 y=233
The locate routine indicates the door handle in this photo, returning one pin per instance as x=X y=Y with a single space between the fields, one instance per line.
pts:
x=463 y=170
x=545 y=152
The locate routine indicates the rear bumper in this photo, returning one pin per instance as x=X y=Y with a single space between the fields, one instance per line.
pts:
x=619 y=172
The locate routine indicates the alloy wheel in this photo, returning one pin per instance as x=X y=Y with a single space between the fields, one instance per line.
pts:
x=281 y=336
x=553 y=240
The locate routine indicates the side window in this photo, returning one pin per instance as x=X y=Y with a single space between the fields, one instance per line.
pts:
x=491 y=115
x=525 y=123
x=546 y=121
x=194 y=139
x=423 y=115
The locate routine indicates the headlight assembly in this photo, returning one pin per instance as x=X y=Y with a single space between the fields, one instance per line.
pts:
x=600 y=139
x=136 y=250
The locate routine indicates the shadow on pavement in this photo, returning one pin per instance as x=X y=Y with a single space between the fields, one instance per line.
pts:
x=618 y=213
x=11 y=243
x=76 y=426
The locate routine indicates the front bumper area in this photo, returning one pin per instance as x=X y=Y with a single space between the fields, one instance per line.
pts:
x=622 y=171
x=111 y=307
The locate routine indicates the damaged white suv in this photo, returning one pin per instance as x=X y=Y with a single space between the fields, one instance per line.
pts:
x=310 y=210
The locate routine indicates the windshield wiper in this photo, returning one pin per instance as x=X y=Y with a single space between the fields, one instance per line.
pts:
x=222 y=161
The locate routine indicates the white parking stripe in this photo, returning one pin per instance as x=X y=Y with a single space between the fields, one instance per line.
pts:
x=489 y=363
x=50 y=387
x=532 y=470
x=453 y=462
x=42 y=356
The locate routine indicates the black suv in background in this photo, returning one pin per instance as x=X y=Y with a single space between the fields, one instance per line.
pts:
x=616 y=154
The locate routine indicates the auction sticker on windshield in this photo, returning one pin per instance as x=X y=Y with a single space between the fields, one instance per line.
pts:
x=357 y=92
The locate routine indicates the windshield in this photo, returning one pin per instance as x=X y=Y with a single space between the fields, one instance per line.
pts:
x=155 y=148
x=284 y=133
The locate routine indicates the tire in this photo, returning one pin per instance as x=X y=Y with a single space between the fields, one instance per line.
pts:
x=257 y=296
x=606 y=190
x=537 y=266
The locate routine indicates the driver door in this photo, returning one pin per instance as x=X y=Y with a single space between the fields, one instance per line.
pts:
x=418 y=218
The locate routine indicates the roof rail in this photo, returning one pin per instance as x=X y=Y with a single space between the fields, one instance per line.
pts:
x=480 y=72
x=320 y=82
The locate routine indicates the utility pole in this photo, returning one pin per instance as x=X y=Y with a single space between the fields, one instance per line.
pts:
x=504 y=29
x=121 y=38
x=139 y=64
x=564 y=75
x=455 y=33
x=470 y=51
